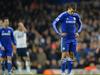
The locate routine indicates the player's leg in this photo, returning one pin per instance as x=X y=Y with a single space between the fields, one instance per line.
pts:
x=69 y=66
x=3 y=61
x=65 y=49
x=19 y=59
x=22 y=54
x=9 y=54
x=63 y=62
x=65 y=53
x=14 y=64
x=26 y=59
x=73 y=49
x=3 y=66
x=9 y=65
x=70 y=61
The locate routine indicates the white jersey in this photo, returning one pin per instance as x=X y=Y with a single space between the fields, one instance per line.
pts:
x=21 y=39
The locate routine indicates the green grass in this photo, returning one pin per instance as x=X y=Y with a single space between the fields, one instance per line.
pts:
x=56 y=74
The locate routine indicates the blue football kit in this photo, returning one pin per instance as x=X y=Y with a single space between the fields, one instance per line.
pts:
x=70 y=24
x=6 y=40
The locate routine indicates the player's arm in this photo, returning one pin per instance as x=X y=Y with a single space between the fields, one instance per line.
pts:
x=79 y=23
x=13 y=41
x=13 y=38
x=23 y=28
x=1 y=47
x=56 y=21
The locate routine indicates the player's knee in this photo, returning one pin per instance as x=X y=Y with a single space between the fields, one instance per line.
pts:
x=67 y=54
x=9 y=61
x=63 y=55
x=1 y=60
x=63 y=60
x=25 y=58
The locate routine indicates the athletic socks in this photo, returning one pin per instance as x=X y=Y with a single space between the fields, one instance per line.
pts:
x=66 y=62
x=3 y=66
x=9 y=67
x=69 y=66
x=69 y=59
x=63 y=65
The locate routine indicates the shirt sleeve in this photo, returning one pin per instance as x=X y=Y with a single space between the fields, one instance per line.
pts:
x=12 y=37
x=58 y=19
x=0 y=35
x=0 y=44
x=79 y=22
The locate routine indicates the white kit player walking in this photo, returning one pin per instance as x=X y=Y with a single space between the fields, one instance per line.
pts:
x=21 y=41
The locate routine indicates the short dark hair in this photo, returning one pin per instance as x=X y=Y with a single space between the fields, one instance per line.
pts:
x=4 y=18
x=72 y=5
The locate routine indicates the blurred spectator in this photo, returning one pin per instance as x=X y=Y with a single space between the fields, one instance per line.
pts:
x=54 y=64
x=41 y=56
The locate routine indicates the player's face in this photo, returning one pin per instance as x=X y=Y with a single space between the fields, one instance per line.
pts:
x=71 y=10
x=6 y=22
x=20 y=26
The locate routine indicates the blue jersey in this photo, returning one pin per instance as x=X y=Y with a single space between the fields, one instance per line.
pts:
x=7 y=38
x=68 y=24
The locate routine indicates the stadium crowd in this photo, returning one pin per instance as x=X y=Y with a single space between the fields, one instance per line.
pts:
x=43 y=43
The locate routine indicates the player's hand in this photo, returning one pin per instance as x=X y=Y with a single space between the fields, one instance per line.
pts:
x=14 y=49
x=63 y=34
x=2 y=48
x=76 y=35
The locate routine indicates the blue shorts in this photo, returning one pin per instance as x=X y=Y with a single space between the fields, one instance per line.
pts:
x=68 y=45
x=5 y=53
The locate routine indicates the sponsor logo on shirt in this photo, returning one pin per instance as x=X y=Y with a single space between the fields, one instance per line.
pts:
x=71 y=21
x=5 y=33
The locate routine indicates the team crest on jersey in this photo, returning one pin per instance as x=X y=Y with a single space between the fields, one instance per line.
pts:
x=67 y=18
x=8 y=31
x=74 y=18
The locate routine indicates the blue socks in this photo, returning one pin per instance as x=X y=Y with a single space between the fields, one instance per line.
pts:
x=69 y=66
x=9 y=66
x=3 y=66
x=67 y=63
x=63 y=65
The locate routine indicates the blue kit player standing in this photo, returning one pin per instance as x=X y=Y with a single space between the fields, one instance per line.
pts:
x=8 y=43
x=70 y=27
